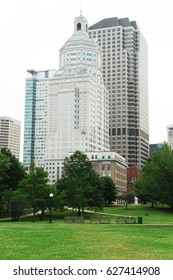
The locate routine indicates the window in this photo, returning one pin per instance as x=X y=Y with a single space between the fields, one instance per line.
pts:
x=113 y=131
x=78 y=26
x=118 y=131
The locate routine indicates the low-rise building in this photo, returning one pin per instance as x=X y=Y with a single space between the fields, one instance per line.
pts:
x=110 y=164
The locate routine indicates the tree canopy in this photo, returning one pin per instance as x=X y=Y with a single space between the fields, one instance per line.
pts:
x=156 y=180
x=79 y=182
x=11 y=173
x=35 y=185
x=109 y=190
x=81 y=185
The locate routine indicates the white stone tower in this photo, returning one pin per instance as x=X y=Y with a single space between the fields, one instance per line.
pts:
x=78 y=102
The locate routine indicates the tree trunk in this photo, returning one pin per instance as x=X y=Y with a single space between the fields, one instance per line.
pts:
x=33 y=217
x=79 y=212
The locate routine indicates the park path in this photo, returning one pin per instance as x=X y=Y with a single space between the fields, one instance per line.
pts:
x=23 y=216
x=93 y=212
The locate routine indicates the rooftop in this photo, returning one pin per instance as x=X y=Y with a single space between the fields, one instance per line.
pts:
x=114 y=21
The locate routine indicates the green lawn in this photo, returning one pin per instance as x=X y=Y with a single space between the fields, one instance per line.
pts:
x=25 y=240
x=156 y=215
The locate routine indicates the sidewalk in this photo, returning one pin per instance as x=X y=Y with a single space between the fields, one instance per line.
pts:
x=23 y=216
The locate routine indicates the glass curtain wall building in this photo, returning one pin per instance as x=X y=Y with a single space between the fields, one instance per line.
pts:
x=35 y=124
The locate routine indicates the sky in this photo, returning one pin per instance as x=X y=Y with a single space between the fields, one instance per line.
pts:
x=33 y=31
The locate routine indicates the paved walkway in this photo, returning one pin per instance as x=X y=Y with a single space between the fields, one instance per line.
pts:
x=23 y=216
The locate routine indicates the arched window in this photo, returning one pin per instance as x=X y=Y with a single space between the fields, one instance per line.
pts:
x=78 y=26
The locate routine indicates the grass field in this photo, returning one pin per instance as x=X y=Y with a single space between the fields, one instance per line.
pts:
x=156 y=215
x=24 y=240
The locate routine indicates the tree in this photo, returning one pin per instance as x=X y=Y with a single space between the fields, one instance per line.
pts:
x=35 y=185
x=11 y=172
x=18 y=202
x=156 y=182
x=4 y=166
x=109 y=190
x=130 y=197
x=96 y=198
x=79 y=182
x=15 y=171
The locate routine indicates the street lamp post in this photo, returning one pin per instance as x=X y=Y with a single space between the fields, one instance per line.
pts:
x=50 y=216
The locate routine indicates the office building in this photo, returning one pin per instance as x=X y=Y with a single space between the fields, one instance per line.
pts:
x=170 y=135
x=155 y=147
x=112 y=165
x=78 y=106
x=10 y=135
x=35 y=124
x=125 y=74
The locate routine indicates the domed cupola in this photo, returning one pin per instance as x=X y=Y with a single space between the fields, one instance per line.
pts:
x=80 y=24
x=80 y=48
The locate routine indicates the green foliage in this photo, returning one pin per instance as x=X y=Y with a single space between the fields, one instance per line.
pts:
x=4 y=166
x=18 y=201
x=130 y=197
x=127 y=198
x=19 y=189
x=109 y=190
x=80 y=185
x=156 y=182
x=35 y=185
x=14 y=170
x=11 y=172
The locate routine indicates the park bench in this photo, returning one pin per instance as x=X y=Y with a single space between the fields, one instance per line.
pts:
x=104 y=220
x=126 y=220
x=74 y=219
x=100 y=219
x=94 y=219
x=120 y=220
x=130 y=220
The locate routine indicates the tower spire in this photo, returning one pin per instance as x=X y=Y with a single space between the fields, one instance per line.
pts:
x=81 y=8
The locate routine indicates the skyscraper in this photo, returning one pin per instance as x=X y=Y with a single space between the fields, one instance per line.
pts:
x=125 y=74
x=35 y=125
x=170 y=135
x=78 y=106
x=10 y=135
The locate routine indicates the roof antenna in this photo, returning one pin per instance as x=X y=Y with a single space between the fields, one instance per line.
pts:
x=81 y=8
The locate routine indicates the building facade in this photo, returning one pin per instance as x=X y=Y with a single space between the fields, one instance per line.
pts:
x=132 y=176
x=125 y=74
x=112 y=165
x=35 y=120
x=170 y=135
x=155 y=147
x=78 y=106
x=10 y=135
